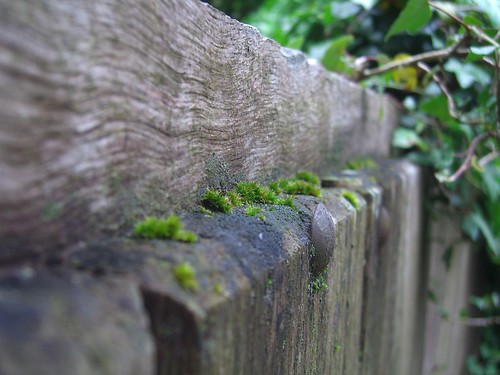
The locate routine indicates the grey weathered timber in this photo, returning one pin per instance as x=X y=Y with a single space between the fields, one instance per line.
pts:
x=66 y=322
x=266 y=318
x=452 y=280
x=109 y=110
x=394 y=295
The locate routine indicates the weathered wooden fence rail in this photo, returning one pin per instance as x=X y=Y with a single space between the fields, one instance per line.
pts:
x=108 y=113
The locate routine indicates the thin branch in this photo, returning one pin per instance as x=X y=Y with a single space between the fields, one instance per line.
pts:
x=488 y=158
x=452 y=16
x=451 y=103
x=468 y=159
x=470 y=29
x=481 y=322
x=437 y=55
x=452 y=110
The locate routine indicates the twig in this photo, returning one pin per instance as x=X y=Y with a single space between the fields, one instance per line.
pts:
x=488 y=158
x=451 y=104
x=412 y=60
x=452 y=16
x=471 y=30
x=452 y=110
x=468 y=159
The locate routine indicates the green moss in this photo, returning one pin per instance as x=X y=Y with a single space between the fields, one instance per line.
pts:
x=171 y=227
x=234 y=198
x=262 y=217
x=214 y=200
x=185 y=275
x=218 y=288
x=287 y=202
x=252 y=192
x=318 y=284
x=304 y=183
x=252 y=210
x=205 y=211
x=359 y=164
x=308 y=177
x=302 y=188
x=185 y=236
x=351 y=198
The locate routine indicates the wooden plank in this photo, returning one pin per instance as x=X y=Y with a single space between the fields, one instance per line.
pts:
x=109 y=111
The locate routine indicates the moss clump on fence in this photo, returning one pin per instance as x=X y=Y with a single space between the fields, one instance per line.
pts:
x=279 y=192
x=185 y=275
x=351 y=198
x=359 y=164
x=169 y=228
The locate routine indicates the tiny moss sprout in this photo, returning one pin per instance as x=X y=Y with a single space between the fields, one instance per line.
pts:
x=185 y=275
x=214 y=200
x=318 y=284
x=171 y=227
x=252 y=210
x=218 y=288
x=359 y=164
x=307 y=177
x=351 y=198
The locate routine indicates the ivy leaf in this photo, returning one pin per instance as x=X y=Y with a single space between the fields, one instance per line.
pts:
x=467 y=73
x=491 y=9
x=482 y=50
x=412 y=18
x=407 y=138
x=333 y=58
x=474 y=223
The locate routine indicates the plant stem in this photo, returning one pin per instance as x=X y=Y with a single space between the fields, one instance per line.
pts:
x=438 y=55
x=468 y=159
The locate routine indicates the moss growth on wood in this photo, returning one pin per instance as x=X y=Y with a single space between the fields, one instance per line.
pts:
x=169 y=228
x=253 y=210
x=216 y=201
x=185 y=275
x=248 y=193
x=360 y=164
x=351 y=198
x=318 y=284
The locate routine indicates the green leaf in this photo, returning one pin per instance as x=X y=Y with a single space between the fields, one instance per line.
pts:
x=474 y=222
x=472 y=20
x=296 y=43
x=491 y=9
x=467 y=73
x=413 y=17
x=482 y=50
x=407 y=138
x=333 y=58
x=437 y=107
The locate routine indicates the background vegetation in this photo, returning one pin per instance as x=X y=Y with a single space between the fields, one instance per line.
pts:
x=441 y=61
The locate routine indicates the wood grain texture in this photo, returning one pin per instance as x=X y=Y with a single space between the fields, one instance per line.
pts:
x=109 y=110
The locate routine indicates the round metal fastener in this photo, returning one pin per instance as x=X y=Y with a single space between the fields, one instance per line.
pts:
x=323 y=239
